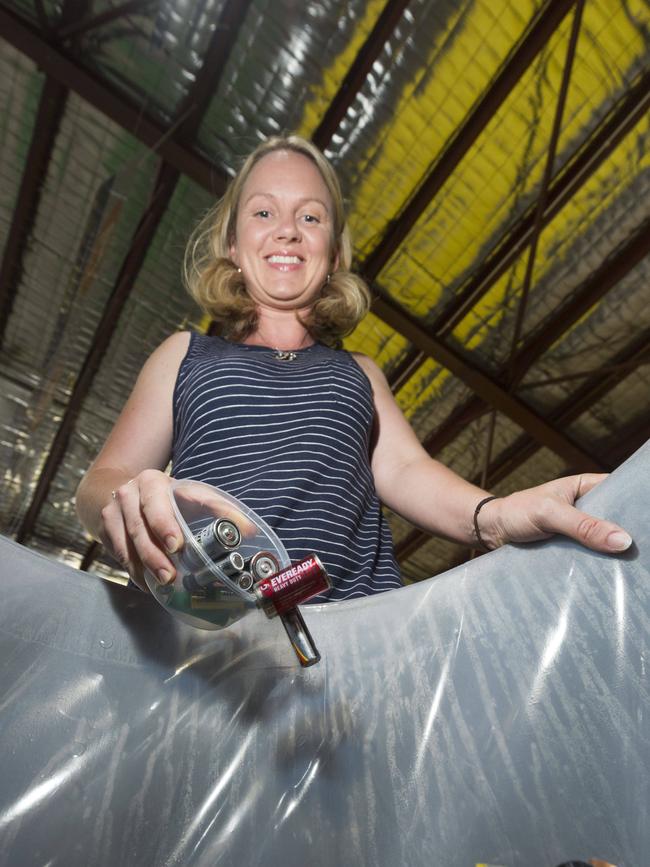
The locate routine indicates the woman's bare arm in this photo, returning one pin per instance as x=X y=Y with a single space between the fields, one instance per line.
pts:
x=435 y=498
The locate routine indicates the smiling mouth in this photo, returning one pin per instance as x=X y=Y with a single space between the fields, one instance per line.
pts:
x=284 y=260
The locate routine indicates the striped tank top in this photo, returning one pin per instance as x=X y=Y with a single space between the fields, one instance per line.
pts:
x=291 y=440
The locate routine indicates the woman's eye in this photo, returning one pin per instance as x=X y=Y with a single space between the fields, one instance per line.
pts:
x=310 y=218
x=262 y=213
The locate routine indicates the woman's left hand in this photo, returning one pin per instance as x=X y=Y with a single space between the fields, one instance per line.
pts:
x=537 y=513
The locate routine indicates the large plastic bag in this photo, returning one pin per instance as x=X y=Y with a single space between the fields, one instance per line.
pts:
x=495 y=715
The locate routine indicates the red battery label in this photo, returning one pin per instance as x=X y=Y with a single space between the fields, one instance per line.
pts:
x=291 y=586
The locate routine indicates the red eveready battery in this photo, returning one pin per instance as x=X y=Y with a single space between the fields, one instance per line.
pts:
x=281 y=592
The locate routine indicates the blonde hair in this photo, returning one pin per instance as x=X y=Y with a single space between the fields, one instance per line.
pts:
x=215 y=283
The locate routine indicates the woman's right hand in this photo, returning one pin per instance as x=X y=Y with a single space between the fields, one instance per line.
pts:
x=139 y=528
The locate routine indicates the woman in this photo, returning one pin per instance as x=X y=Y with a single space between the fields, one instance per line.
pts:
x=307 y=435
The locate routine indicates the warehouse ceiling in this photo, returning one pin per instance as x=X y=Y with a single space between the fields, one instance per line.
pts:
x=496 y=163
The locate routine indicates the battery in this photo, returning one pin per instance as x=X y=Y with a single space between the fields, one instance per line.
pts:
x=221 y=533
x=263 y=565
x=246 y=581
x=215 y=538
x=231 y=565
x=281 y=592
x=300 y=637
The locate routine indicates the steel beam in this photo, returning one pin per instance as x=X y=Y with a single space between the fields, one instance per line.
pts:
x=604 y=278
x=628 y=256
x=405 y=369
x=593 y=389
x=521 y=57
x=488 y=389
x=524 y=294
x=631 y=438
x=543 y=190
x=84 y=25
x=358 y=72
x=46 y=126
x=90 y=555
x=131 y=265
x=614 y=269
x=405 y=549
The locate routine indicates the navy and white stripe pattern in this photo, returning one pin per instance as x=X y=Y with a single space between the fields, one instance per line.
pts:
x=291 y=440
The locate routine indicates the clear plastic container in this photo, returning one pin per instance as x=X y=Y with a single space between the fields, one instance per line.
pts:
x=205 y=593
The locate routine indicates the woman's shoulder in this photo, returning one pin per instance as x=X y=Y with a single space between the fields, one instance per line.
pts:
x=369 y=367
x=189 y=346
x=171 y=351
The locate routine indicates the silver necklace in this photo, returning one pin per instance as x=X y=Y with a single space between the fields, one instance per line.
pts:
x=284 y=355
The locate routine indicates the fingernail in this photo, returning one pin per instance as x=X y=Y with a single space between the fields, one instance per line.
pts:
x=163 y=575
x=171 y=543
x=619 y=541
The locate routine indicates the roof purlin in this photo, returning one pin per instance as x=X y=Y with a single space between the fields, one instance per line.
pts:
x=592 y=290
x=161 y=196
x=631 y=438
x=595 y=386
x=590 y=156
x=76 y=28
x=543 y=195
x=50 y=111
x=540 y=207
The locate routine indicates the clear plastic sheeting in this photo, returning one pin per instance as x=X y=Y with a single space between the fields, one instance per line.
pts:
x=497 y=715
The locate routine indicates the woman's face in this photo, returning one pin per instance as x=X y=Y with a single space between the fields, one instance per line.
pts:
x=283 y=233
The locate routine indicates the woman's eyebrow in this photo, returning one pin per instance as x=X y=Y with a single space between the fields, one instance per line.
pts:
x=258 y=194
x=300 y=201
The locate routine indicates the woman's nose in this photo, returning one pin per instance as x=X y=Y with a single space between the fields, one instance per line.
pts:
x=287 y=229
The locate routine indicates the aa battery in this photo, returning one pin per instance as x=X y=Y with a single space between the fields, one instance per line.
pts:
x=263 y=565
x=246 y=581
x=216 y=538
x=300 y=637
x=231 y=565
x=297 y=583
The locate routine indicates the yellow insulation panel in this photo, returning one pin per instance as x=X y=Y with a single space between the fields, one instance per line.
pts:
x=597 y=194
x=431 y=106
x=477 y=200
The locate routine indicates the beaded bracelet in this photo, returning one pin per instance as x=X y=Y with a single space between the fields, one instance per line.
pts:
x=476 y=529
